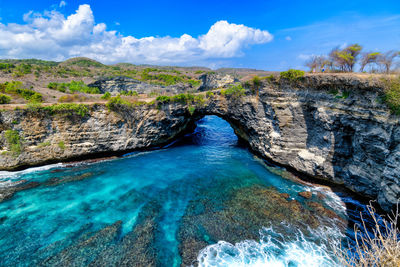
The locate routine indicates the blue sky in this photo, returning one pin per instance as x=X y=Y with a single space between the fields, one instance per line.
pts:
x=268 y=35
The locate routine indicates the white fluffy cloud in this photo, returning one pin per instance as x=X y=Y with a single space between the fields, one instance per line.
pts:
x=50 y=35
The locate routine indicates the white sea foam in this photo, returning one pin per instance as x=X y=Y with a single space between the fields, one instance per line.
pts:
x=7 y=177
x=332 y=200
x=273 y=250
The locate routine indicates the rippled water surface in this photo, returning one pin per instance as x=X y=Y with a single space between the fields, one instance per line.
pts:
x=203 y=200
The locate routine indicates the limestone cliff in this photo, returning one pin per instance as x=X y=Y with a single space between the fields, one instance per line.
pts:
x=332 y=127
x=329 y=127
x=49 y=137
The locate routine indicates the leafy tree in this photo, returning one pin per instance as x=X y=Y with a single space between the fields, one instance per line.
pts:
x=317 y=63
x=346 y=58
x=369 y=58
x=387 y=59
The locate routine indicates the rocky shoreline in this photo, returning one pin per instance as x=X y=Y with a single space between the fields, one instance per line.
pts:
x=330 y=127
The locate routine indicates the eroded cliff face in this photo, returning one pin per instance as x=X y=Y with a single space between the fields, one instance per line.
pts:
x=331 y=127
x=57 y=137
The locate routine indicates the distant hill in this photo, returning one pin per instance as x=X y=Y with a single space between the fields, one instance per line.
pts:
x=82 y=62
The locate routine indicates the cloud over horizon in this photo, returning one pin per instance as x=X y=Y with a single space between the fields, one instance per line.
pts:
x=49 y=35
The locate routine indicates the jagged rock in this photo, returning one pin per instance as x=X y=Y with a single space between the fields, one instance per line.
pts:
x=285 y=195
x=305 y=194
x=212 y=80
x=8 y=192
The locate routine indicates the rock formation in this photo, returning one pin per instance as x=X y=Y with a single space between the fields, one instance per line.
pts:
x=116 y=85
x=331 y=127
x=210 y=81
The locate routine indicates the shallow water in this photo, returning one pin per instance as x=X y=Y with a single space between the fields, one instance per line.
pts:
x=193 y=202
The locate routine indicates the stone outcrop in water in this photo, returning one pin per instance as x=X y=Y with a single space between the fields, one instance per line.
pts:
x=331 y=127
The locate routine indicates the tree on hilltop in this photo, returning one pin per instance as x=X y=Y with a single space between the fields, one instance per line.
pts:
x=387 y=59
x=369 y=58
x=346 y=58
x=317 y=63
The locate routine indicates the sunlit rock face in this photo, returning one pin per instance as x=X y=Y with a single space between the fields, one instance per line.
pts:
x=210 y=81
x=332 y=127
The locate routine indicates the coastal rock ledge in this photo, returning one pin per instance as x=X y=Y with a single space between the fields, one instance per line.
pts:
x=331 y=127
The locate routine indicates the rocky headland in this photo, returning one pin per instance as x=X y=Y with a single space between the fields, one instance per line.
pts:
x=331 y=127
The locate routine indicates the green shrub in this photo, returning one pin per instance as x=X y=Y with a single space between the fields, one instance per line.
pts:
x=183 y=98
x=15 y=87
x=269 y=78
x=163 y=99
x=73 y=86
x=14 y=141
x=191 y=109
x=34 y=106
x=129 y=93
x=72 y=98
x=6 y=67
x=62 y=87
x=61 y=145
x=115 y=102
x=106 y=95
x=4 y=99
x=199 y=100
x=392 y=94
x=292 y=75
x=194 y=83
x=68 y=109
x=80 y=86
x=166 y=79
x=22 y=69
x=235 y=90
x=209 y=94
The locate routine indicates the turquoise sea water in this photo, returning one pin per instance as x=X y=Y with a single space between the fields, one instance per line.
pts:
x=184 y=204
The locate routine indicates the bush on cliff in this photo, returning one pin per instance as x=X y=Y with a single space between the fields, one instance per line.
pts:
x=292 y=75
x=183 y=98
x=163 y=99
x=392 y=94
x=4 y=99
x=235 y=91
x=68 y=109
x=14 y=141
x=114 y=103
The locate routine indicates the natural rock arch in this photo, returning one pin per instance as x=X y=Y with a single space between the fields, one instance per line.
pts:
x=354 y=141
